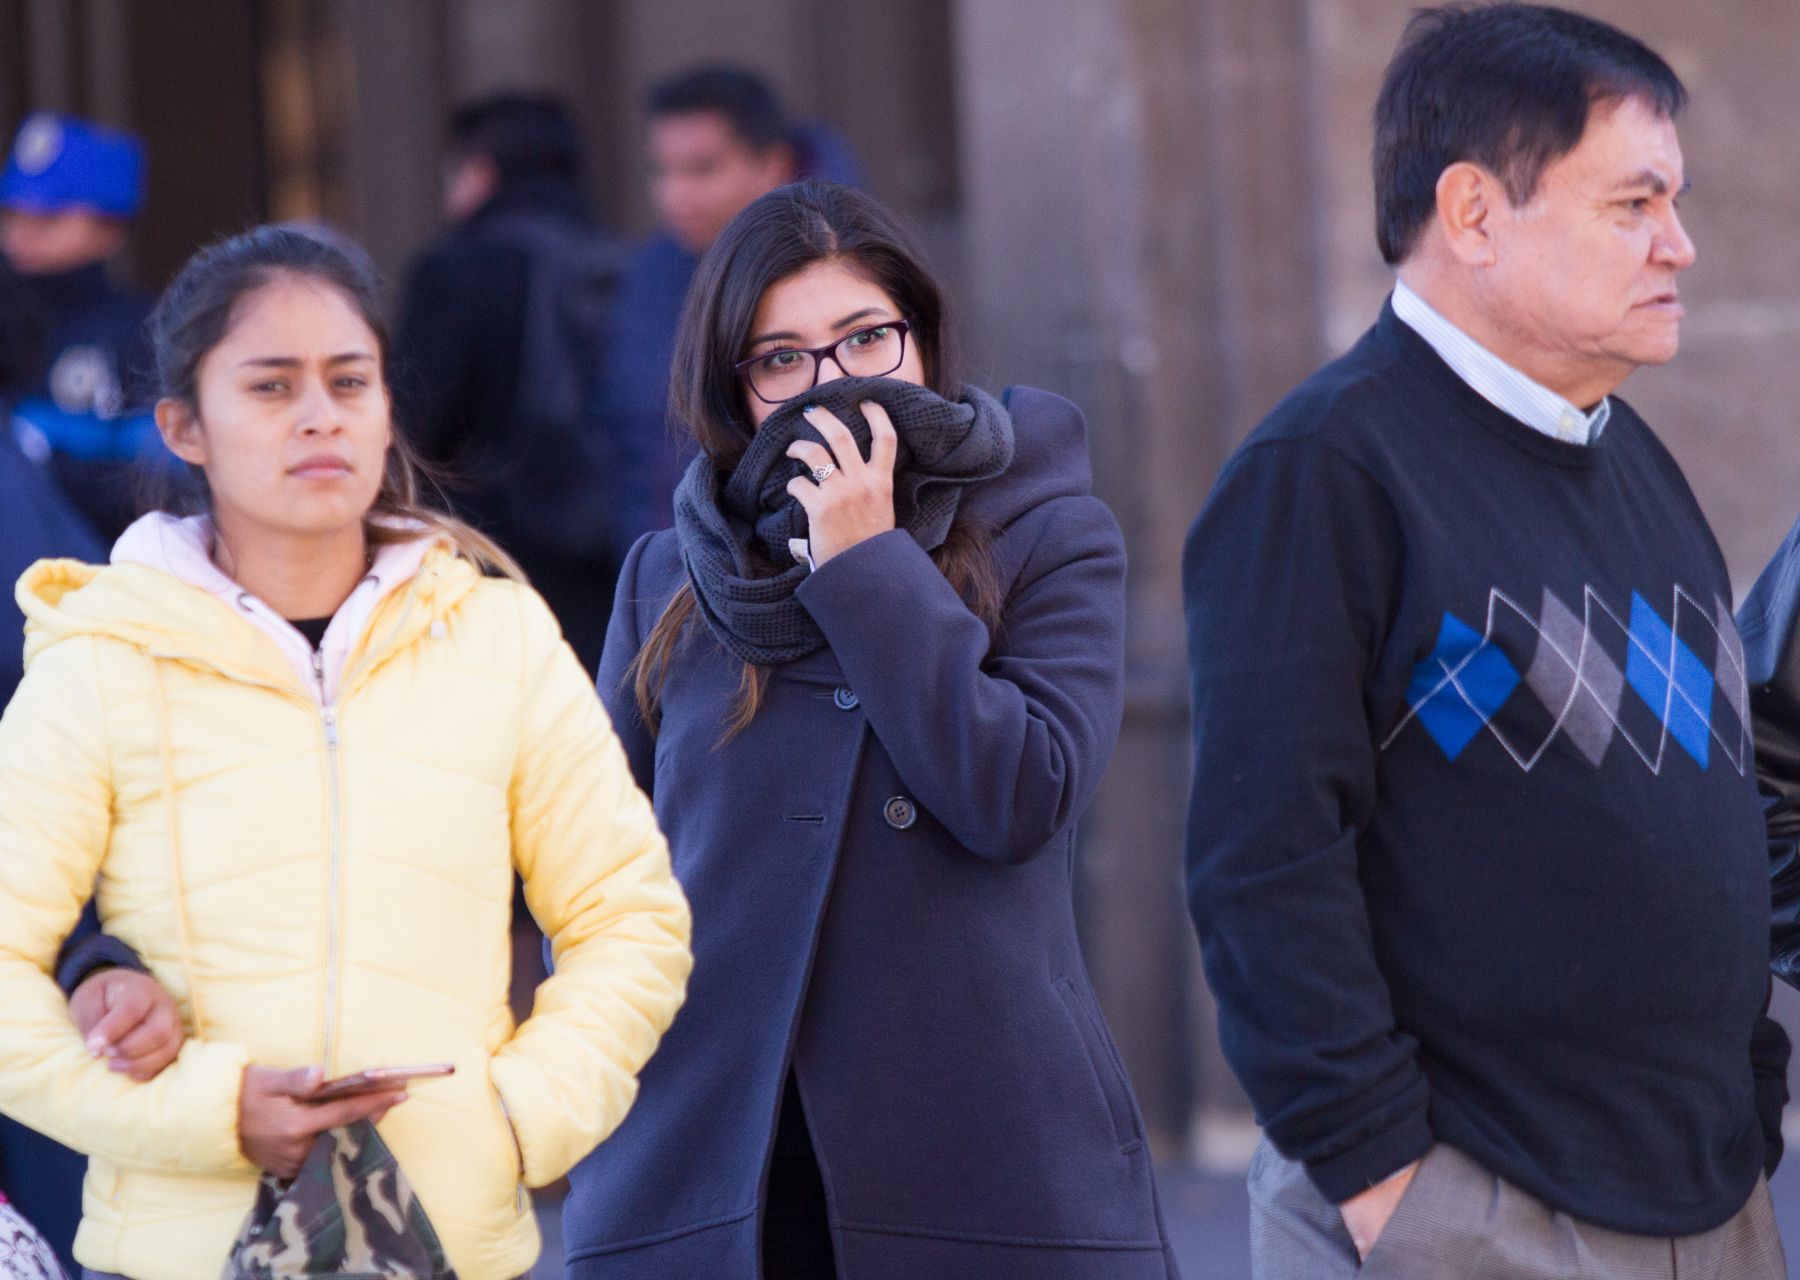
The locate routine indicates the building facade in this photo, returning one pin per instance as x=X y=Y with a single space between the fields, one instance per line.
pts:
x=1161 y=208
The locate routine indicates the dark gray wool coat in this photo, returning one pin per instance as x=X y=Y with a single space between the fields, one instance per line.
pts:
x=880 y=872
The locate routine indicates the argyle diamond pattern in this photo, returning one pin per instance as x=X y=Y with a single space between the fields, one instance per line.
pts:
x=1531 y=677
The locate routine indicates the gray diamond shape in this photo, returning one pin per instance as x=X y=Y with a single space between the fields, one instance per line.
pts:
x=1730 y=674
x=1589 y=707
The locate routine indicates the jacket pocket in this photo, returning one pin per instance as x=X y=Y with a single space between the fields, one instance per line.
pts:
x=1103 y=1059
x=521 y=1196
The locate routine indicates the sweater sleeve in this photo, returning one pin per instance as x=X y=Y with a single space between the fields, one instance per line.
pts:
x=1003 y=748
x=597 y=879
x=88 y=951
x=1289 y=580
x=55 y=820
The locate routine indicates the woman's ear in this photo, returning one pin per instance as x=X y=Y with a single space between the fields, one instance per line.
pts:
x=180 y=430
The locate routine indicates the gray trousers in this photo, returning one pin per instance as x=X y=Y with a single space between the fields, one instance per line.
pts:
x=1457 y=1221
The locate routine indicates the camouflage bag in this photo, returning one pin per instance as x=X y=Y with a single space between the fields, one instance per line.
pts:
x=23 y=1253
x=350 y=1214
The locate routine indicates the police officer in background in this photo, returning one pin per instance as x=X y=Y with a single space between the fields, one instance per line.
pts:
x=67 y=198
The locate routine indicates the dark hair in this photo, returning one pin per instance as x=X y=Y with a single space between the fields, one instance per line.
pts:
x=530 y=138
x=1507 y=86
x=744 y=98
x=196 y=312
x=777 y=236
x=772 y=239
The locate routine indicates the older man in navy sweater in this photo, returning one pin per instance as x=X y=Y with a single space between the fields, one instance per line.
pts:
x=1475 y=849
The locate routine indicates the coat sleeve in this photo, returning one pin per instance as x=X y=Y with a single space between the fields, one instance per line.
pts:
x=55 y=819
x=1289 y=579
x=1006 y=747
x=1772 y=668
x=614 y=682
x=597 y=879
x=88 y=951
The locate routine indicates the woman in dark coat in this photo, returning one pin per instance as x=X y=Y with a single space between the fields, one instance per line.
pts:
x=870 y=681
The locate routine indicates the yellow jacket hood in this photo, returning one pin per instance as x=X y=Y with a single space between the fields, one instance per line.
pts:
x=152 y=610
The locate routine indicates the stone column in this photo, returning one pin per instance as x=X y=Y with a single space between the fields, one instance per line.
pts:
x=1137 y=229
x=388 y=62
x=50 y=45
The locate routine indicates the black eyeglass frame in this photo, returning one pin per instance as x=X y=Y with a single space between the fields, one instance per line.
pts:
x=818 y=354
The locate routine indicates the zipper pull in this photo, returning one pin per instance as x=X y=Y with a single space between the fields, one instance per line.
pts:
x=329 y=715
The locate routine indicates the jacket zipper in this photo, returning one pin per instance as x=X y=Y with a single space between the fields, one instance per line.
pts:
x=328 y=716
x=334 y=882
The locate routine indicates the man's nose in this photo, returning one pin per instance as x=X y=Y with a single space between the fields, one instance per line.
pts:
x=1673 y=244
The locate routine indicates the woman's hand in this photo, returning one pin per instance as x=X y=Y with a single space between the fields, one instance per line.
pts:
x=127 y=1018
x=856 y=500
x=277 y=1126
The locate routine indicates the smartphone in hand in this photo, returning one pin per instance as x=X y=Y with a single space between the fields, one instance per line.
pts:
x=377 y=1080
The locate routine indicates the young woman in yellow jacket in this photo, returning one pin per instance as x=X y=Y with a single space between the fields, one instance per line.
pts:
x=303 y=740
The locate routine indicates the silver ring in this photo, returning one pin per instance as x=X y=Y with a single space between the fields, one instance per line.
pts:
x=821 y=474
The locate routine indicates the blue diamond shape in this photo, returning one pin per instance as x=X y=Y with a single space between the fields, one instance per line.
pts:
x=1453 y=710
x=1687 y=711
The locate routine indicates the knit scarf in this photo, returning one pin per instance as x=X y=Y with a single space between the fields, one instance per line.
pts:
x=944 y=446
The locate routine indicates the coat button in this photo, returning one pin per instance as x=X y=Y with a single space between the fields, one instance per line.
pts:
x=900 y=813
x=844 y=698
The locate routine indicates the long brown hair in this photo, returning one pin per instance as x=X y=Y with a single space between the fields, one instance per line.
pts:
x=196 y=312
x=776 y=237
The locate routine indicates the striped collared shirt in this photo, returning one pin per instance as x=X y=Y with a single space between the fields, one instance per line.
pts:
x=1497 y=382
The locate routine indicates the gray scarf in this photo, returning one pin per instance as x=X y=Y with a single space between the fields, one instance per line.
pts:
x=945 y=446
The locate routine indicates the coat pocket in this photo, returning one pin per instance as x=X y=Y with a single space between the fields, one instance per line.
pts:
x=1103 y=1059
x=522 y=1196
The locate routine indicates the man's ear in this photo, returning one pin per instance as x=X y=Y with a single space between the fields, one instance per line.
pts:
x=180 y=430
x=1468 y=198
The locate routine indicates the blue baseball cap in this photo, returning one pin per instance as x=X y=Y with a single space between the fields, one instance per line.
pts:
x=59 y=162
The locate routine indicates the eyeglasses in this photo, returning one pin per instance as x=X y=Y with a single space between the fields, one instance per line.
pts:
x=868 y=352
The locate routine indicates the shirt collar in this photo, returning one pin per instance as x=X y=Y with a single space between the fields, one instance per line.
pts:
x=1512 y=392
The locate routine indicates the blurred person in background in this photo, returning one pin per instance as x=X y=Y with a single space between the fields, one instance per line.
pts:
x=871 y=680
x=303 y=737
x=717 y=138
x=37 y=519
x=1475 y=847
x=499 y=334
x=43 y=1180
x=67 y=199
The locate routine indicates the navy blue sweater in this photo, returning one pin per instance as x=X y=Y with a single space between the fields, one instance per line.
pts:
x=1474 y=847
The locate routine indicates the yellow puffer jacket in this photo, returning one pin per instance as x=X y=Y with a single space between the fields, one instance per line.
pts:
x=325 y=885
